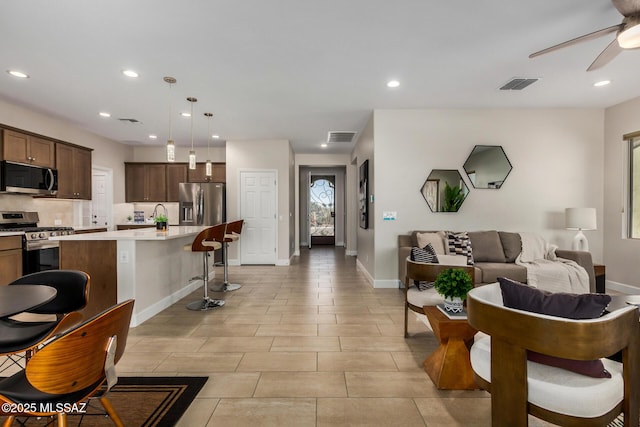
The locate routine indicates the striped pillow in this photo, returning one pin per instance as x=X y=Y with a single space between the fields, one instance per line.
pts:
x=426 y=255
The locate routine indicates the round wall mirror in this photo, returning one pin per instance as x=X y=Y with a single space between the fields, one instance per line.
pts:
x=487 y=166
x=444 y=190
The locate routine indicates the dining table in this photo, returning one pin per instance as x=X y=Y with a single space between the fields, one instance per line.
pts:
x=16 y=299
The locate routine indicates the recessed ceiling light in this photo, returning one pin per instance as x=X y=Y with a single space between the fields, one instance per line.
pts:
x=104 y=114
x=215 y=136
x=130 y=73
x=323 y=145
x=393 y=83
x=602 y=83
x=185 y=114
x=16 y=73
x=153 y=136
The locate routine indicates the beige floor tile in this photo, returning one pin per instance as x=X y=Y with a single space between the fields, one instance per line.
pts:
x=348 y=330
x=362 y=319
x=233 y=384
x=301 y=384
x=368 y=412
x=287 y=330
x=250 y=319
x=409 y=360
x=348 y=309
x=265 y=412
x=356 y=361
x=374 y=344
x=165 y=345
x=236 y=344
x=450 y=412
x=200 y=362
x=231 y=330
x=278 y=361
x=324 y=344
x=390 y=384
x=316 y=319
x=294 y=309
x=198 y=413
x=140 y=362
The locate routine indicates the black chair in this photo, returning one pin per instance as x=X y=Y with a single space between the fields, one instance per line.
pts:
x=17 y=337
x=71 y=369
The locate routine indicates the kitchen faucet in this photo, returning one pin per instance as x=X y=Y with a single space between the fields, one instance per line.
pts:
x=155 y=210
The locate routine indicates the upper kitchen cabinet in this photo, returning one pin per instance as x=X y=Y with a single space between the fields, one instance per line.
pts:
x=219 y=173
x=74 y=172
x=29 y=149
x=145 y=182
x=176 y=173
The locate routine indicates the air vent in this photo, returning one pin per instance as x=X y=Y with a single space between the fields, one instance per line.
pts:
x=340 y=136
x=518 y=84
x=133 y=121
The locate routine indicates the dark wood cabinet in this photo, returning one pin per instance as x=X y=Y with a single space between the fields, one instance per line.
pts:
x=29 y=149
x=74 y=172
x=219 y=173
x=176 y=173
x=10 y=259
x=145 y=182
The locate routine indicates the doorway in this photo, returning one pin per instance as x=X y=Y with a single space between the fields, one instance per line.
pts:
x=322 y=214
x=258 y=208
x=101 y=198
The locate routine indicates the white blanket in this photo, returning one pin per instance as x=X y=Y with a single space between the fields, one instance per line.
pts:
x=546 y=271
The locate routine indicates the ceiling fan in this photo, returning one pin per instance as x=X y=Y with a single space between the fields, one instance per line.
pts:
x=627 y=37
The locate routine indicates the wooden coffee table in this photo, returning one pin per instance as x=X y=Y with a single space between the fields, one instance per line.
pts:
x=449 y=366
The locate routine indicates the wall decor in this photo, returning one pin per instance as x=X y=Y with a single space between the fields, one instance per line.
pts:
x=363 y=194
x=444 y=190
x=487 y=166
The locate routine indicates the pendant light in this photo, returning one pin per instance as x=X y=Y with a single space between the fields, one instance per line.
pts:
x=208 y=166
x=192 y=153
x=171 y=148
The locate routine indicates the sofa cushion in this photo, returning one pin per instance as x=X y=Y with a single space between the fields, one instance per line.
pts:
x=492 y=270
x=460 y=244
x=571 y=306
x=487 y=246
x=511 y=244
x=437 y=240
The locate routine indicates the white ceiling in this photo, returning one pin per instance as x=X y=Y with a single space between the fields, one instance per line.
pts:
x=297 y=69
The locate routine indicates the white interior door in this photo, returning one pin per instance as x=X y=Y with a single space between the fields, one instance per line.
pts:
x=99 y=197
x=258 y=202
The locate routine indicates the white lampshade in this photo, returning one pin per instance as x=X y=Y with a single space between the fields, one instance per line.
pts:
x=630 y=38
x=580 y=218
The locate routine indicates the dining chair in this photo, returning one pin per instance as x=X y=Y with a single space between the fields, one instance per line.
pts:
x=70 y=369
x=414 y=298
x=20 y=338
x=519 y=386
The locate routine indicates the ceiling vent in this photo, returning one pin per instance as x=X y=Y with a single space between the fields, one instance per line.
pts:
x=340 y=137
x=133 y=121
x=518 y=84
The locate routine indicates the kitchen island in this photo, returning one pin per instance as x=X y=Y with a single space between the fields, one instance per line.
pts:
x=147 y=265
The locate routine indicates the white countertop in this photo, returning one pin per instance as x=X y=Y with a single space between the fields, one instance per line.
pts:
x=173 y=232
x=11 y=233
x=88 y=227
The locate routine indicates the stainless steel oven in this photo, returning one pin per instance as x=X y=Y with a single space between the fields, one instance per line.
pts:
x=38 y=252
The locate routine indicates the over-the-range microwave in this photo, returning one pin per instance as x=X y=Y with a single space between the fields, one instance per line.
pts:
x=27 y=179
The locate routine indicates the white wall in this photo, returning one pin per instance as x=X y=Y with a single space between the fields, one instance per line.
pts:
x=262 y=155
x=621 y=254
x=557 y=158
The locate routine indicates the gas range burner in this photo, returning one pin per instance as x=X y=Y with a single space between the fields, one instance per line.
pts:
x=27 y=222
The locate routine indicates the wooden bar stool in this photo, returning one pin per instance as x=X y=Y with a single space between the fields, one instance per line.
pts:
x=209 y=239
x=231 y=235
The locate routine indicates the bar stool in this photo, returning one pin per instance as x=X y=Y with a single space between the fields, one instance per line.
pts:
x=231 y=235
x=209 y=239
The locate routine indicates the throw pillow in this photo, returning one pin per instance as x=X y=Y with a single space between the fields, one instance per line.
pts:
x=435 y=239
x=460 y=244
x=487 y=246
x=571 y=306
x=511 y=244
x=427 y=255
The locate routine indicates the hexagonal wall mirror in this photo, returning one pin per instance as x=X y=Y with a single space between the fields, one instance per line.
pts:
x=444 y=190
x=487 y=166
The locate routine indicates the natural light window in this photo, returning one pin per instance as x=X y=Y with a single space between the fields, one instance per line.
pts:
x=634 y=188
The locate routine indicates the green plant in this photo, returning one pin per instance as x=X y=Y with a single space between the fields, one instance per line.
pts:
x=160 y=218
x=453 y=198
x=453 y=282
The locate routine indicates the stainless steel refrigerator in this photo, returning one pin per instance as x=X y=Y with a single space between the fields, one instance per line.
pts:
x=202 y=203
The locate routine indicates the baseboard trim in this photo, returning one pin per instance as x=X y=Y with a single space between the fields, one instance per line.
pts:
x=386 y=284
x=364 y=271
x=622 y=287
x=283 y=262
x=351 y=253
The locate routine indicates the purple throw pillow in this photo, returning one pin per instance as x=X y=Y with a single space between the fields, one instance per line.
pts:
x=571 y=306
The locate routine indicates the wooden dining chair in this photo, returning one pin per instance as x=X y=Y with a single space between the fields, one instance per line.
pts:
x=414 y=298
x=72 y=368
x=520 y=387
x=19 y=338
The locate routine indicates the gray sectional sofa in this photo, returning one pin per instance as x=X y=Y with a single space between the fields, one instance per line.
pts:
x=494 y=254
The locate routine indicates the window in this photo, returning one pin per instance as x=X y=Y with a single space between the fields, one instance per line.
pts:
x=634 y=187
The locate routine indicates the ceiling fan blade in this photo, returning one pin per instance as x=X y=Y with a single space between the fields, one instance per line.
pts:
x=583 y=38
x=627 y=7
x=606 y=55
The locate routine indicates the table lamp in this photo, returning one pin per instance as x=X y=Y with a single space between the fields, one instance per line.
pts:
x=580 y=219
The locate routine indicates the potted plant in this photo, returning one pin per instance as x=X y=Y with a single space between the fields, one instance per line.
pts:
x=453 y=198
x=453 y=284
x=161 y=222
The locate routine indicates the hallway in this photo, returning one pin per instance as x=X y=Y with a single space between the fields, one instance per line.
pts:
x=311 y=344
